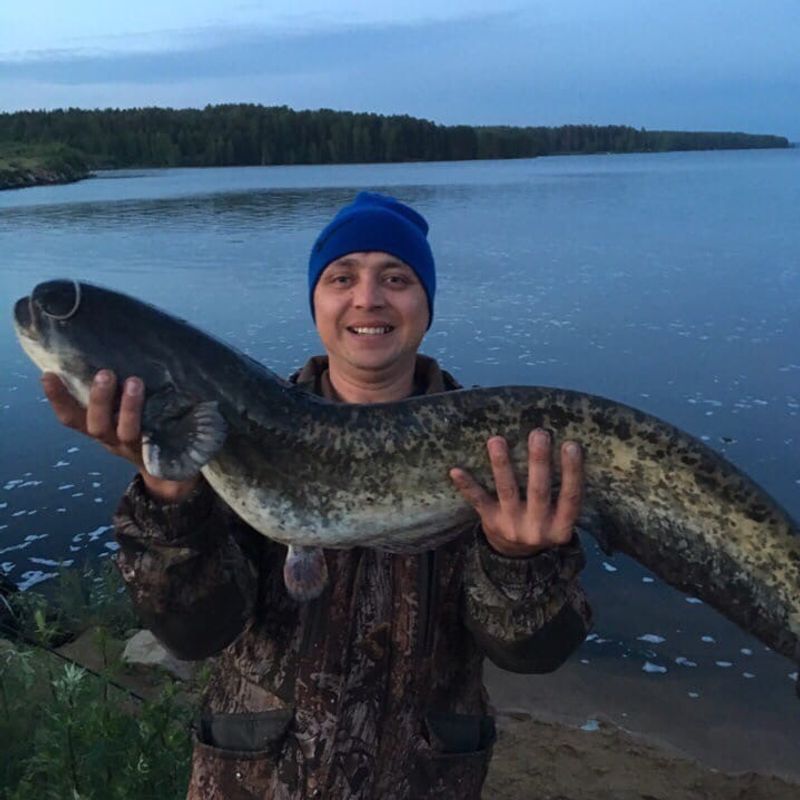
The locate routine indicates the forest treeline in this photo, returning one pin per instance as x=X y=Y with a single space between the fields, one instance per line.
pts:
x=228 y=135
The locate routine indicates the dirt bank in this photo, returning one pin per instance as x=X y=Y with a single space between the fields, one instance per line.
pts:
x=538 y=760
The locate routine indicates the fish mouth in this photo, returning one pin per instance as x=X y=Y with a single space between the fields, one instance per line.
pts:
x=30 y=336
x=59 y=300
x=24 y=318
x=44 y=333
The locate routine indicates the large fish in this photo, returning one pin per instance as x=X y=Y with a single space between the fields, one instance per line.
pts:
x=314 y=474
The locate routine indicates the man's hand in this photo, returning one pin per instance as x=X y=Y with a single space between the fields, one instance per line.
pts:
x=122 y=437
x=517 y=527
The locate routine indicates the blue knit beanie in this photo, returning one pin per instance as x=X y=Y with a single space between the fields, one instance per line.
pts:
x=376 y=222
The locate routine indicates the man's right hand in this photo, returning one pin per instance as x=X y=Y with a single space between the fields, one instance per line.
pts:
x=97 y=421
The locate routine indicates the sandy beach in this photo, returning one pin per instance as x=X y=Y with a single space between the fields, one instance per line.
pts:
x=537 y=760
x=598 y=733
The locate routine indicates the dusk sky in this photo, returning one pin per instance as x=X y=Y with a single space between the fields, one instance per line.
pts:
x=660 y=64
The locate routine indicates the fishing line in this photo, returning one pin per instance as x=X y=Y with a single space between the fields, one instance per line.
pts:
x=74 y=307
x=14 y=633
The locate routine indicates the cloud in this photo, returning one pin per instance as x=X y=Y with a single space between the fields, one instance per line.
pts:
x=674 y=64
x=232 y=52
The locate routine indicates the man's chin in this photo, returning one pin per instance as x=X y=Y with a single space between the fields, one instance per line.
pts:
x=373 y=364
x=375 y=361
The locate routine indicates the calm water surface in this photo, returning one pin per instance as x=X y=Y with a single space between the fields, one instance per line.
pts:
x=670 y=282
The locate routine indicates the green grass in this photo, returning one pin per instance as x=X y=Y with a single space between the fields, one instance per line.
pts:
x=25 y=165
x=70 y=733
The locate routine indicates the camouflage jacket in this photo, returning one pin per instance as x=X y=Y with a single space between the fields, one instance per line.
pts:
x=375 y=689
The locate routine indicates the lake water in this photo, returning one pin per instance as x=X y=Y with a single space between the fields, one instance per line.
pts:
x=669 y=281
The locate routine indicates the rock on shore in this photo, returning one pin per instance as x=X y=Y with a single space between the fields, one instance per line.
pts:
x=23 y=177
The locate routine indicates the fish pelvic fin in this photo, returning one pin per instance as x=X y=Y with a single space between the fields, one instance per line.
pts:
x=178 y=447
x=305 y=573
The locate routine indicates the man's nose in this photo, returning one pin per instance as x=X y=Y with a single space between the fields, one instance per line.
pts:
x=368 y=294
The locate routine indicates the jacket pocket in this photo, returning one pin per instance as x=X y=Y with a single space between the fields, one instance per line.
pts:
x=248 y=732
x=459 y=733
x=455 y=765
x=235 y=755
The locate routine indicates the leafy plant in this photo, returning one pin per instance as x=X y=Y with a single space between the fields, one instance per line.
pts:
x=68 y=732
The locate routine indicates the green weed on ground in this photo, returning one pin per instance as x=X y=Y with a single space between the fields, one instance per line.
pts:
x=22 y=164
x=70 y=733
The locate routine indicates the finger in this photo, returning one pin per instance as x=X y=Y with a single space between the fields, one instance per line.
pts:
x=568 y=507
x=539 y=473
x=505 y=481
x=99 y=414
x=67 y=409
x=129 y=424
x=471 y=490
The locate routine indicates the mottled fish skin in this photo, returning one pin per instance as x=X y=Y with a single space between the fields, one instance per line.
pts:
x=311 y=473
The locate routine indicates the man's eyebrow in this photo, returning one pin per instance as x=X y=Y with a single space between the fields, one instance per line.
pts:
x=390 y=261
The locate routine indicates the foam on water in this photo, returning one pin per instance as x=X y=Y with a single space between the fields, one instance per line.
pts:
x=32 y=577
x=579 y=290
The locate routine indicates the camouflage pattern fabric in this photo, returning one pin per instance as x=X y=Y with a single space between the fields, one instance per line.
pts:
x=374 y=690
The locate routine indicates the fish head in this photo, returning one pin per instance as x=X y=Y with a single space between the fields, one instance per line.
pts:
x=74 y=329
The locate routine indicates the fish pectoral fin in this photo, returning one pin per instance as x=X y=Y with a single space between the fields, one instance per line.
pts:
x=305 y=572
x=178 y=447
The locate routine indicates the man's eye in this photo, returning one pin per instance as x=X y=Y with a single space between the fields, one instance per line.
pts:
x=397 y=280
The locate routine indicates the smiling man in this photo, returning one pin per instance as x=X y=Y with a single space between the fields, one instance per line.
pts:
x=373 y=690
x=370 y=305
x=371 y=313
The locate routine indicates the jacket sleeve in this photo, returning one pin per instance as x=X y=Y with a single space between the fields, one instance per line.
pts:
x=187 y=568
x=527 y=614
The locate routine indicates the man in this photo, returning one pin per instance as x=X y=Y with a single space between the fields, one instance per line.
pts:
x=373 y=690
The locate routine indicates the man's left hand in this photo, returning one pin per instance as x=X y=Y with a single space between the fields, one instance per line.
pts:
x=519 y=527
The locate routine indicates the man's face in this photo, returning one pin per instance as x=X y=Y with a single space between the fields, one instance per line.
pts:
x=371 y=312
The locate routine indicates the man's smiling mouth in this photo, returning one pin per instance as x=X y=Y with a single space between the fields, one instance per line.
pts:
x=370 y=330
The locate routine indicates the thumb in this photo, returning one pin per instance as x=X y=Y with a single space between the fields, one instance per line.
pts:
x=67 y=409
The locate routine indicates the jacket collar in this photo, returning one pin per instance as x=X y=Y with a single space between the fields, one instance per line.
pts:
x=429 y=378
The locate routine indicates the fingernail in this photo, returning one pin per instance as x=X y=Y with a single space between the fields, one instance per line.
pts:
x=133 y=387
x=541 y=437
x=103 y=377
x=572 y=449
x=497 y=445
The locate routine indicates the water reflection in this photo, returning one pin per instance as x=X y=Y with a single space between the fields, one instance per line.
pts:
x=669 y=282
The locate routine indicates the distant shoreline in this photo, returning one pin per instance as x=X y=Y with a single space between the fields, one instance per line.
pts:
x=23 y=166
x=27 y=178
x=240 y=135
